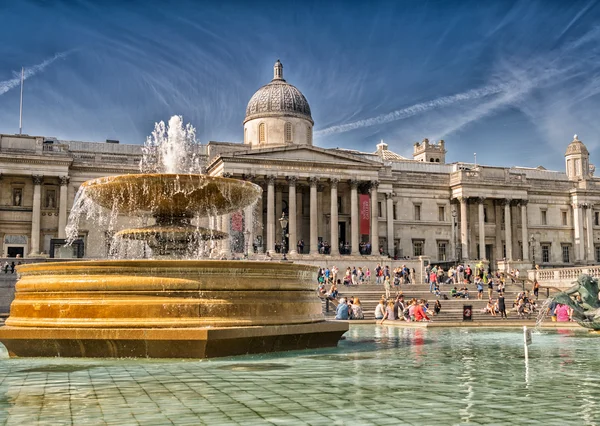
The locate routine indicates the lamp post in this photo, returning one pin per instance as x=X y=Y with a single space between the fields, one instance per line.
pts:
x=284 y=223
x=532 y=245
x=247 y=243
x=454 y=228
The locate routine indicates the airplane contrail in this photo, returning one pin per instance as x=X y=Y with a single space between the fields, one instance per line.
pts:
x=6 y=85
x=414 y=109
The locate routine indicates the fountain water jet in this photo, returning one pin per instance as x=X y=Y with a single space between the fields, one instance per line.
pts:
x=171 y=306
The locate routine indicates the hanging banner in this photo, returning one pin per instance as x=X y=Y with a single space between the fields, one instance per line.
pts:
x=237 y=221
x=365 y=213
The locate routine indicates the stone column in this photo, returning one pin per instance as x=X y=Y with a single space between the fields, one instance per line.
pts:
x=508 y=230
x=335 y=243
x=36 y=215
x=578 y=231
x=590 y=233
x=320 y=210
x=314 y=224
x=524 y=230
x=389 y=200
x=374 y=219
x=278 y=212
x=464 y=241
x=226 y=227
x=293 y=212
x=480 y=217
x=270 y=248
x=260 y=226
x=300 y=215
x=354 y=219
x=249 y=228
x=62 y=209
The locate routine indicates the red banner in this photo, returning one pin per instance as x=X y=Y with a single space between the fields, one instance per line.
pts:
x=237 y=221
x=365 y=213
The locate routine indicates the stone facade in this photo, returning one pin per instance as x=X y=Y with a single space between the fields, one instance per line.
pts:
x=416 y=207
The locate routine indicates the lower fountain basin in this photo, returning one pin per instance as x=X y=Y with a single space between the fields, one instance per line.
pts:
x=125 y=307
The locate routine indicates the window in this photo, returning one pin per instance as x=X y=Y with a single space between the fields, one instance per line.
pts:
x=308 y=135
x=565 y=218
x=442 y=246
x=504 y=250
x=597 y=218
x=597 y=247
x=288 y=132
x=485 y=215
x=565 y=253
x=520 y=249
x=417 y=212
x=262 y=133
x=418 y=247
x=545 y=252
x=394 y=211
x=441 y=213
x=544 y=217
x=379 y=209
x=339 y=204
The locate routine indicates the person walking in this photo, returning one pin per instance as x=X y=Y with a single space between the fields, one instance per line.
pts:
x=388 y=287
x=536 y=289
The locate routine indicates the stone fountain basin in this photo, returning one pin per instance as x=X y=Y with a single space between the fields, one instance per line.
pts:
x=165 y=309
x=172 y=194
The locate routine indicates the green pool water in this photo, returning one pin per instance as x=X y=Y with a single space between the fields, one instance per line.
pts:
x=377 y=375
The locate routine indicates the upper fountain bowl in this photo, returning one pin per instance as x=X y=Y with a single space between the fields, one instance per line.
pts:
x=175 y=195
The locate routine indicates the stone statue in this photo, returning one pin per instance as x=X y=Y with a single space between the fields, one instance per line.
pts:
x=583 y=299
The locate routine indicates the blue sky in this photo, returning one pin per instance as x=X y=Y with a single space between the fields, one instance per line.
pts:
x=512 y=81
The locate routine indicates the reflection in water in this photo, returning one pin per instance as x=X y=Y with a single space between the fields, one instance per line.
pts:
x=411 y=376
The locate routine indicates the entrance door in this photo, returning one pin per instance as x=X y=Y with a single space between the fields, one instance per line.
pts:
x=341 y=233
x=15 y=251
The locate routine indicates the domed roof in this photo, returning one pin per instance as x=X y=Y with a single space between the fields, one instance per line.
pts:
x=576 y=147
x=278 y=98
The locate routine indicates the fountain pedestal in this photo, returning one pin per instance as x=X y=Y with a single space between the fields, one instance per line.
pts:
x=157 y=308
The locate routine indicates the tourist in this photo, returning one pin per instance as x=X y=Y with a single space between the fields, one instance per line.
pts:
x=437 y=307
x=334 y=273
x=490 y=289
x=479 y=289
x=357 y=312
x=378 y=274
x=563 y=313
x=389 y=313
x=354 y=276
x=411 y=309
x=399 y=306
x=536 y=289
x=432 y=279
x=368 y=276
x=341 y=312
x=468 y=273
x=5 y=267
x=420 y=314
x=333 y=292
x=387 y=286
x=380 y=309
x=502 y=306
x=347 y=277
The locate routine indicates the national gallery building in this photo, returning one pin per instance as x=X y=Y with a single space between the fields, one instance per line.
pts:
x=338 y=202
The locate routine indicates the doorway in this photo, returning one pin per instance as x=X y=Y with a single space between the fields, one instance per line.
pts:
x=341 y=233
x=12 y=251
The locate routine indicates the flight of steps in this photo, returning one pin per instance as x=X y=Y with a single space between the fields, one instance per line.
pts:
x=452 y=309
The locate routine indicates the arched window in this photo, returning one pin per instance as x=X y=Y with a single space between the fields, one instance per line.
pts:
x=288 y=132
x=262 y=137
x=308 y=135
x=437 y=160
x=431 y=160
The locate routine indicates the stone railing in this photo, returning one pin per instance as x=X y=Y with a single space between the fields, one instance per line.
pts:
x=562 y=277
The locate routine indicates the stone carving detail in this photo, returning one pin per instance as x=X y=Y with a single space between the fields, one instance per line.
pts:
x=64 y=180
x=523 y=203
x=480 y=200
x=292 y=180
x=227 y=175
x=334 y=182
x=314 y=181
x=388 y=195
x=505 y=202
x=374 y=184
x=37 y=179
x=270 y=180
x=354 y=183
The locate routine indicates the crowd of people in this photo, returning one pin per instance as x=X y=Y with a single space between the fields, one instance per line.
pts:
x=392 y=309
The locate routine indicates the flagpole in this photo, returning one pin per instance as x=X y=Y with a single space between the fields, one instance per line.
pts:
x=21 y=103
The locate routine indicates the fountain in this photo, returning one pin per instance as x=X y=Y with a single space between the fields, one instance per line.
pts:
x=174 y=305
x=582 y=297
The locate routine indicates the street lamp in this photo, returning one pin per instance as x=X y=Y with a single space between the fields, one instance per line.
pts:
x=284 y=223
x=532 y=245
x=455 y=228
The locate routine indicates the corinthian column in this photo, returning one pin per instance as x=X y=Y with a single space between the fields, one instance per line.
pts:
x=335 y=243
x=293 y=214
x=35 y=216
x=464 y=236
x=354 y=221
x=62 y=209
x=374 y=219
x=590 y=233
x=524 y=230
x=578 y=230
x=314 y=224
x=390 y=223
x=508 y=230
x=481 y=216
x=270 y=214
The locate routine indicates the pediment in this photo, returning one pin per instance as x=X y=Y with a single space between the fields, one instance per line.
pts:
x=307 y=154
